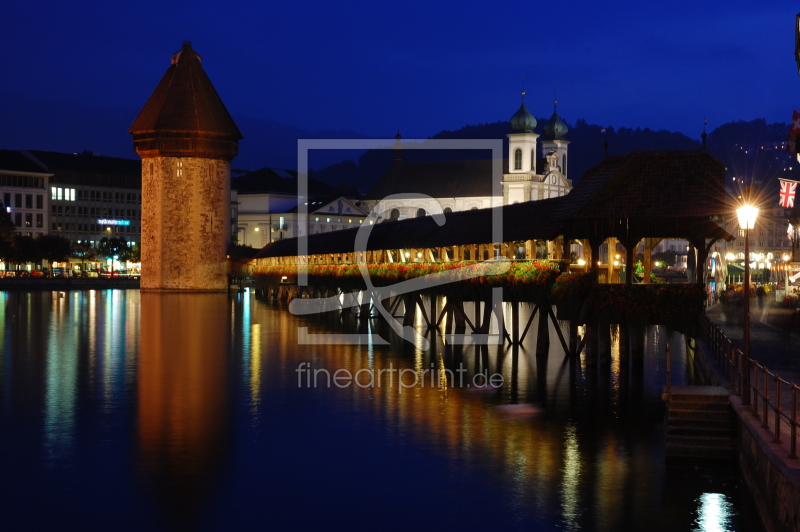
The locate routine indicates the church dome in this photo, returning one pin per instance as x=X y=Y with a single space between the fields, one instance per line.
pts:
x=555 y=128
x=523 y=121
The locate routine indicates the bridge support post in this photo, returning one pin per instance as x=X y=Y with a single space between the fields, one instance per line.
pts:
x=591 y=345
x=515 y=322
x=573 y=337
x=637 y=346
x=543 y=333
x=604 y=351
x=459 y=317
x=409 y=309
x=624 y=351
x=364 y=310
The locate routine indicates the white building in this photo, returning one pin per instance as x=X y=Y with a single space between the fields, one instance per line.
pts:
x=268 y=208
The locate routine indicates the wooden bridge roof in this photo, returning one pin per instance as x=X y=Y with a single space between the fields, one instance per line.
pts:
x=657 y=194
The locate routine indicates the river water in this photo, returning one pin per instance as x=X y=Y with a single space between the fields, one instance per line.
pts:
x=129 y=411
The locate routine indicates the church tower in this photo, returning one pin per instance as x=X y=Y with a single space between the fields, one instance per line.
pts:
x=186 y=139
x=554 y=131
x=521 y=157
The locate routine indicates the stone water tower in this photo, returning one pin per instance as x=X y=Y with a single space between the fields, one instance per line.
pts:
x=186 y=139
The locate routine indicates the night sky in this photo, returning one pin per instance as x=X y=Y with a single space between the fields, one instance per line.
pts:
x=376 y=67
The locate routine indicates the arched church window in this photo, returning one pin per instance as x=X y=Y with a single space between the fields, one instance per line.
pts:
x=564 y=164
x=518 y=159
x=394 y=214
x=448 y=210
x=474 y=209
x=533 y=160
x=420 y=213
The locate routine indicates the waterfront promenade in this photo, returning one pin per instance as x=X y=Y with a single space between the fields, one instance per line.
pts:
x=774 y=334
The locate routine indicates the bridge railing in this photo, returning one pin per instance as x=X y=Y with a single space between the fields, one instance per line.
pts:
x=766 y=388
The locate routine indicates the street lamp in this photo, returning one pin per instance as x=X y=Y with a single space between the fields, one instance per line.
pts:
x=747 y=220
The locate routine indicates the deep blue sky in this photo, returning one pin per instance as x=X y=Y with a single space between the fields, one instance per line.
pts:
x=375 y=67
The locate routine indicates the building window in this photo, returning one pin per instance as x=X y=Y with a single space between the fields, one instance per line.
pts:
x=39 y=219
x=39 y=201
x=18 y=219
x=533 y=160
x=518 y=159
x=28 y=219
x=448 y=210
x=394 y=214
x=18 y=200
x=420 y=213
x=29 y=201
x=7 y=199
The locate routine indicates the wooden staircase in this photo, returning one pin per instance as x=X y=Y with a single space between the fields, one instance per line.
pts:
x=698 y=424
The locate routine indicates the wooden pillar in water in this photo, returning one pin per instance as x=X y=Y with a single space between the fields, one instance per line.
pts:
x=604 y=344
x=515 y=322
x=637 y=345
x=624 y=348
x=410 y=305
x=591 y=328
x=364 y=309
x=573 y=336
x=459 y=317
x=543 y=333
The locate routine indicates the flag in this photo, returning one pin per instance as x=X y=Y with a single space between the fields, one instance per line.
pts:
x=796 y=122
x=791 y=144
x=788 y=190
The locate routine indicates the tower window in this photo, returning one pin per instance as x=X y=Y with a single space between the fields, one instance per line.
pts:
x=518 y=159
x=394 y=214
x=420 y=213
x=533 y=160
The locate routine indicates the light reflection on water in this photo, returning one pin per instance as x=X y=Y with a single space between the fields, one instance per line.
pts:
x=193 y=403
x=714 y=512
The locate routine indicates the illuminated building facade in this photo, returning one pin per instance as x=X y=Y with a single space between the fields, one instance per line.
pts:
x=90 y=197
x=24 y=189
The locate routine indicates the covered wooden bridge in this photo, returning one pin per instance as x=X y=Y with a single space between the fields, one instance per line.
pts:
x=641 y=197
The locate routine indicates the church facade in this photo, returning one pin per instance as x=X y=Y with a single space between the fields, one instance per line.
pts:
x=536 y=169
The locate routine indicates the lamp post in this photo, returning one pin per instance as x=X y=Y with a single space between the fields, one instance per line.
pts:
x=747 y=215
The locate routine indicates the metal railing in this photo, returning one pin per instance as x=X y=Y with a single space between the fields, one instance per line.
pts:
x=734 y=367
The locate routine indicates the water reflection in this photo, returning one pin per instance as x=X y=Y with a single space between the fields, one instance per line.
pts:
x=191 y=403
x=183 y=399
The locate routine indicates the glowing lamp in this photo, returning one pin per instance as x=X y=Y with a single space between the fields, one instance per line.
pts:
x=747 y=215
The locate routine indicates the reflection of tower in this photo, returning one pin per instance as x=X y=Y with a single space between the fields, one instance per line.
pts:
x=186 y=139
x=183 y=400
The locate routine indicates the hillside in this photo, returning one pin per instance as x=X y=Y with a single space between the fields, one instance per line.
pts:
x=752 y=150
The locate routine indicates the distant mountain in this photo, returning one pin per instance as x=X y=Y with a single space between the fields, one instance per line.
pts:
x=30 y=124
x=753 y=151
x=585 y=150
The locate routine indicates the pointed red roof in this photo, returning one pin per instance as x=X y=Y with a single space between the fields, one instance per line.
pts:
x=185 y=116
